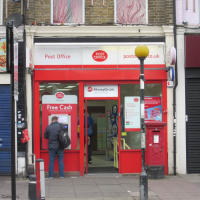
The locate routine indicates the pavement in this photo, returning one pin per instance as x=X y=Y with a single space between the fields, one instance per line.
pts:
x=108 y=186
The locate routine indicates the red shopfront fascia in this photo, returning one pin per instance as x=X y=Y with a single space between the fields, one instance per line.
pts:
x=75 y=158
x=95 y=65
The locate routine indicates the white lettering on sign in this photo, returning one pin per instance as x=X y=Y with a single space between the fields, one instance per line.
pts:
x=59 y=107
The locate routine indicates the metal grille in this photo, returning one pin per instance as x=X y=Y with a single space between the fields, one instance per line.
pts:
x=5 y=129
x=193 y=124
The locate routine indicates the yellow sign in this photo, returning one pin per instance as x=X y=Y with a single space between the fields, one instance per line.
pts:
x=124 y=133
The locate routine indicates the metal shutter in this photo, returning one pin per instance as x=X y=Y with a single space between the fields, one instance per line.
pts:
x=5 y=130
x=193 y=124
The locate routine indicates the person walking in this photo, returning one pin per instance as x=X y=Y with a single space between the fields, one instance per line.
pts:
x=90 y=125
x=51 y=134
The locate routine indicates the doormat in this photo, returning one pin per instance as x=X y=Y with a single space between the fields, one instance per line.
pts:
x=102 y=170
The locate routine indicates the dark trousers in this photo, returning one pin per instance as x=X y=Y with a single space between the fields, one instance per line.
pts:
x=90 y=150
x=52 y=155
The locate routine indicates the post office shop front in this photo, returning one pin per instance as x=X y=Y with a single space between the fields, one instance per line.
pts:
x=101 y=80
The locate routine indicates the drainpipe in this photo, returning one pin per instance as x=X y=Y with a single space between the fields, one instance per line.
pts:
x=174 y=90
x=23 y=11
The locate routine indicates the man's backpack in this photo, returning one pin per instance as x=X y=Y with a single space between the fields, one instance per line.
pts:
x=63 y=139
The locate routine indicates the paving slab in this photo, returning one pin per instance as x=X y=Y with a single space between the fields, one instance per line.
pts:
x=108 y=187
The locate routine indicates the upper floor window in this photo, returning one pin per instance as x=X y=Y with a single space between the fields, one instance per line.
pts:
x=190 y=5
x=67 y=11
x=1 y=12
x=131 y=11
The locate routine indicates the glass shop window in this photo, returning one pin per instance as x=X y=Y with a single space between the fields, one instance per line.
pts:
x=130 y=111
x=61 y=100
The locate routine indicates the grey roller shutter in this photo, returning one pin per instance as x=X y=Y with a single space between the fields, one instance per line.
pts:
x=193 y=123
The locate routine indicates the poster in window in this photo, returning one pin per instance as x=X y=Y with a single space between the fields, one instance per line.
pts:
x=132 y=113
x=152 y=112
x=153 y=109
x=2 y=55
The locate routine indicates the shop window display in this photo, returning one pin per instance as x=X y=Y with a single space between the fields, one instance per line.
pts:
x=60 y=99
x=130 y=111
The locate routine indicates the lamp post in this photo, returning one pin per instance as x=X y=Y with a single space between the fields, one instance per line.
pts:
x=142 y=52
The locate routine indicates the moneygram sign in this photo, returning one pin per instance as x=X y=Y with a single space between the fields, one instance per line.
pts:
x=101 y=91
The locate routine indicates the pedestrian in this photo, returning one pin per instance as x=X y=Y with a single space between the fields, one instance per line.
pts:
x=51 y=134
x=90 y=125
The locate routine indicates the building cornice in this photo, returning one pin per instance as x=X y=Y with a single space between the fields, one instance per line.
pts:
x=99 y=31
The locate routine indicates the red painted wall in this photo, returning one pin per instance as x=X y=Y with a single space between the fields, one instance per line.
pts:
x=192 y=58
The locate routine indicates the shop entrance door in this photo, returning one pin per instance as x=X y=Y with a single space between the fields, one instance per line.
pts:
x=101 y=135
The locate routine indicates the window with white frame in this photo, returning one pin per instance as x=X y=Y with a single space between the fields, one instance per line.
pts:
x=131 y=11
x=1 y=12
x=67 y=11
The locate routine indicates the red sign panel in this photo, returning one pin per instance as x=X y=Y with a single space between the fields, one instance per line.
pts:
x=60 y=95
x=99 y=56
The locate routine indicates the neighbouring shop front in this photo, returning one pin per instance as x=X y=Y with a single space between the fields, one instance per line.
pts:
x=75 y=81
x=5 y=113
x=192 y=84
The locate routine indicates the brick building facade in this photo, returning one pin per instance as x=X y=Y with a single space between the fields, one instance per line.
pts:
x=39 y=11
x=99 y=24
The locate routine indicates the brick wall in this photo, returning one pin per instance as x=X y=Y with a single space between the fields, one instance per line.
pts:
x=99 y=13
x=160 y=12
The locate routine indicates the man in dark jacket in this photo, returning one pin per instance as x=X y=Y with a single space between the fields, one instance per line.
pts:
x=51 y=134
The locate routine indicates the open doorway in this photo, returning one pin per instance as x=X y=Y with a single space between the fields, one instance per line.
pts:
x=103 y=116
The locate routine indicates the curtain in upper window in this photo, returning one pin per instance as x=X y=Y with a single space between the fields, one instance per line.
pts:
x=131 y=11
x=68 y=11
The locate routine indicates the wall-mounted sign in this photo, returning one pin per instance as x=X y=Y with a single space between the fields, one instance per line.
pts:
x=171 y=73
x=99 y=56
x=172 y=56
x=170 y=84
x=101 y=91
x=93 y=54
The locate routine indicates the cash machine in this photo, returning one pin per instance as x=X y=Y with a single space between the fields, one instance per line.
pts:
x=65 y=108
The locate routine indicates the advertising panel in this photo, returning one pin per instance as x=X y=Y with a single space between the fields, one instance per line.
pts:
x=153 y=111
x=2 y=55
